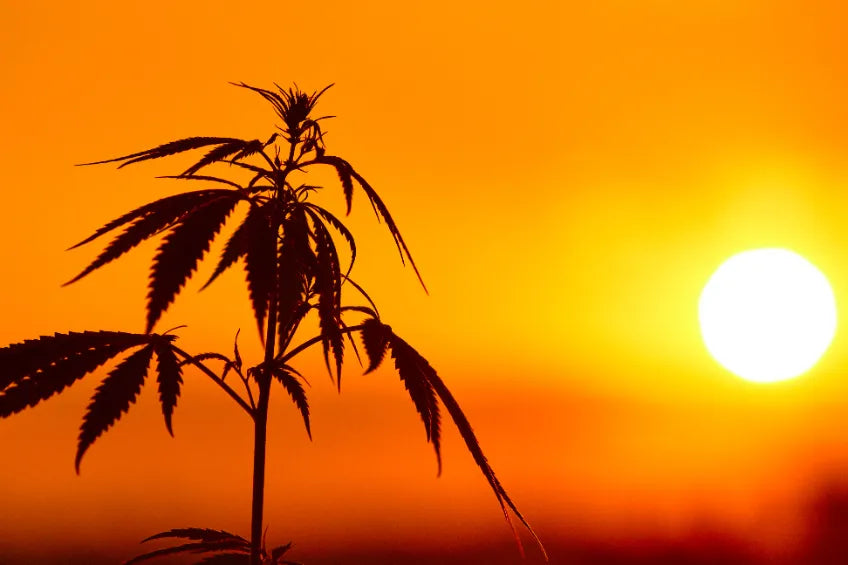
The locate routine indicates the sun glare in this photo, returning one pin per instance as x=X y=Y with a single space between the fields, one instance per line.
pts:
x=767 y=315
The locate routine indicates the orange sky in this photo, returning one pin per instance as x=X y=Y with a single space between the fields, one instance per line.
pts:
x=567 y=177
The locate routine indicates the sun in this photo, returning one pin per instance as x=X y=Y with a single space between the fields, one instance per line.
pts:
x=767 y=315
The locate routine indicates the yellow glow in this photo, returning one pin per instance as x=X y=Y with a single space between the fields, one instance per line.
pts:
x=767 y=315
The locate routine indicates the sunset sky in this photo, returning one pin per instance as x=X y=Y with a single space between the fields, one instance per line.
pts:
x=567 y=176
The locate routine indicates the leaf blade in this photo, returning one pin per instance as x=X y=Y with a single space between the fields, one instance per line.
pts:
x=375 y=339
x=341 y=228
x=260 y=259
x=235 y=248
x=197 y=547
x=148 y=221
x=415 y=373
x=202 y=534
x=346 y=170
x=409 y=361
x=36 y=369
x=295 y=266
x=343 y=170
x=181 y=250
x=112 y=398
x=390 y=223
x=169 y=378
x=296 y=391
x=223 y=151
x=166 y=149
x=328 y=283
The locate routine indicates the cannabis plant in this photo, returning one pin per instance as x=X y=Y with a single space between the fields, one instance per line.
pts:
x=294 y=272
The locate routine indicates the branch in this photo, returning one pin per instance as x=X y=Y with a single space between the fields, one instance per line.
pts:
x=215 y=378
x=268 y=159
x=317 y=339
x=246 y=382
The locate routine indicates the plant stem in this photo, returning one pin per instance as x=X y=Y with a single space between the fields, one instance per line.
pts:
x=215 y=378
x=317 y=339
x=264 y=377
x=259 y=442
x=260 y=432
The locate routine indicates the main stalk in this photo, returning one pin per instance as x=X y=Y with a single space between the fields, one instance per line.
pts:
x=260 y=434
x=264 y=377
x=259 y=441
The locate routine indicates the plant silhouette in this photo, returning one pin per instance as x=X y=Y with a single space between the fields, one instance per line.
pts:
x=293 y=271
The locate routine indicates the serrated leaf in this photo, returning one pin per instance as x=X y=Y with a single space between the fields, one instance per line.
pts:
x=415 y=373
x=236 y=354
x=360 y=309
x=249 y=149
x=199 y=547
x=141 y=211
x=280 y=105
x=291 y=105
x=293 y=315
x=112 y=398
x=261 y=259
x=169 y=378
x=295 y=389
x=473 y=445
x=152 y=219
x=375 y=338
x=166 y=149
x=202 y=534
x=328 y=284
x=206 y=540
x=411 y=363
x=378 y=204
x=181 y=250
x=37 y=369
x=22 y=359
x=205 y=357
x=209 y=178
x=236 y=246
x=223 y=151
x=364 y=294
x=341 y=228
x=281 y=550
x=295 y=265
x=343 y=169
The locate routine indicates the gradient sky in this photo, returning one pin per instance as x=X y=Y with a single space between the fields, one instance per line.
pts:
x=567 y=176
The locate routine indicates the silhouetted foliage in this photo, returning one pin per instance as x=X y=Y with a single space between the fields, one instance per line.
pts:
x=293 y=268
x=37 y=369
x=231 y=549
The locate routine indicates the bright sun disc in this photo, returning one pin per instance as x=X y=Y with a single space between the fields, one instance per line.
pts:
x=767 y=315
